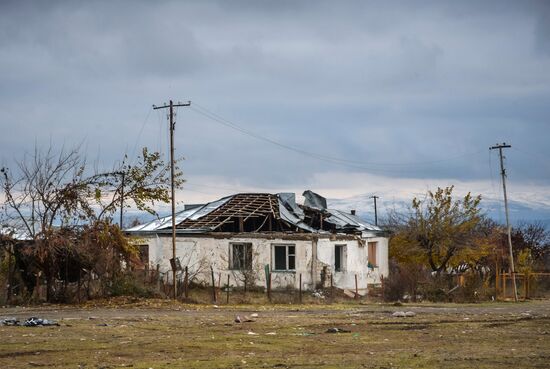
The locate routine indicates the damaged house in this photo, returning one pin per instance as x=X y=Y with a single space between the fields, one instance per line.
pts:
x=244 y=234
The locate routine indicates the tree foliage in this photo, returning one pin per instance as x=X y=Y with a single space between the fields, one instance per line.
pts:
x=442 y=232
x=60 y=210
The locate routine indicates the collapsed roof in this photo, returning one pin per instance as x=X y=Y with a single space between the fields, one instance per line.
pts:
x=262 y=212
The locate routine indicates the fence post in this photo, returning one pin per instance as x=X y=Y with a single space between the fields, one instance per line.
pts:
x=219 y=289
x=300 y=295
x=227 y=290
x=186 y=283
x=525 y=284
x=356 y=288
x=213 y=284
x=331 y=287
x=528 y=285
x=382 y=285
x=504 y=285
x=269 y=287
x=157 y=275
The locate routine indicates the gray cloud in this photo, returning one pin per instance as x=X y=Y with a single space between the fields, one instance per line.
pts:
x=378 y=83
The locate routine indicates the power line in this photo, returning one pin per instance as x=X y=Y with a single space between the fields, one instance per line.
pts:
x=139 y=134
x=350 y=163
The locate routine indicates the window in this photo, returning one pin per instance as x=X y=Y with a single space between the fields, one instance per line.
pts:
x=284 y=257
x=240 y=256
x=339 y=258
x=372 y=246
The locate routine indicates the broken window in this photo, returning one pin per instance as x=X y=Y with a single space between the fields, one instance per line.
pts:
x=372 y=246
x=339 y=258
x=240 y=256
x=284 y=257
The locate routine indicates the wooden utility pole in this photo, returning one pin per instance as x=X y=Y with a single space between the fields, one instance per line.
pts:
x=508 y=227
x=375 y=210
x=171 y=106
x=122 y=198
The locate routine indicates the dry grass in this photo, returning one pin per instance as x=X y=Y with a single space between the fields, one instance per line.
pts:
x=163 y=334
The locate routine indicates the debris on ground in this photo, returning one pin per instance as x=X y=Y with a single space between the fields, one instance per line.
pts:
x=9 y=321
x=35 y=322
x=31 y=322
x=318 y=294
x=349 y=293
x=337 y=330
x=404 y=314
x=243 y=319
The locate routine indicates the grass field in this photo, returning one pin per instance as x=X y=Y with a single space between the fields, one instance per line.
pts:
x=163 y=334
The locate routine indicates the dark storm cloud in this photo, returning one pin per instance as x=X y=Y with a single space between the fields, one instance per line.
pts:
x=381 y=83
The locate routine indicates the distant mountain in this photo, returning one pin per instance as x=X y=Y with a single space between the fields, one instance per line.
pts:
x=494 y=208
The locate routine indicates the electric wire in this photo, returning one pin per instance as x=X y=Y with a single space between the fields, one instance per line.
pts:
x=352 y=163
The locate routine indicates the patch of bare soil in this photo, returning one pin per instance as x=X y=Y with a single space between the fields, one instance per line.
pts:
x=165 y=334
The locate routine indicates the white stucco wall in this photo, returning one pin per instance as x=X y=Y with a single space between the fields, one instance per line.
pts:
x=199 y=253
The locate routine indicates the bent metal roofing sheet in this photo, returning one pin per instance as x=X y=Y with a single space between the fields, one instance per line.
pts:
x=211 y=216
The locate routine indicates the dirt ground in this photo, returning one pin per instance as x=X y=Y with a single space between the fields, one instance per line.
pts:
x=162 y=334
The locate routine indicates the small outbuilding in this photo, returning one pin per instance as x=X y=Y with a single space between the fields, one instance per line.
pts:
x=244 y=235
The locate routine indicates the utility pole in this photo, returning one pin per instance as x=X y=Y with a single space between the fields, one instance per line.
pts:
x=171 y=106
x=375 y=210
x=508 y=228
x=122 y=197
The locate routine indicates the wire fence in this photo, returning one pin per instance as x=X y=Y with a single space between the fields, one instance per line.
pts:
x=529 y=285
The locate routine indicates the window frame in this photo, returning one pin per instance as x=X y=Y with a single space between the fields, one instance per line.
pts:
x=232 y=256
x=343 y=257
x=287 y=257
x=373 y=244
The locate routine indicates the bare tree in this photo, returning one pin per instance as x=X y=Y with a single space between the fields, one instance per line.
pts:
x=51 y=195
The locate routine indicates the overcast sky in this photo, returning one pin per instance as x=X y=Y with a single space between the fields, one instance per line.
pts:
x=408 y=96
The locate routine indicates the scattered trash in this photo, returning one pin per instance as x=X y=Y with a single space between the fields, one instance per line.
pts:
x=9 y=321
x=254 y=315
x=271 y=334
x=243 y=319
x=250 y=333
x=35 y=322
x=31 y=322
x=337 y=330
x=318 y=294
x=403 y=314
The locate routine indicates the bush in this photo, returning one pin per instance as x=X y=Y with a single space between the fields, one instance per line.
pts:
x=128 y=285
x=403 y=281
